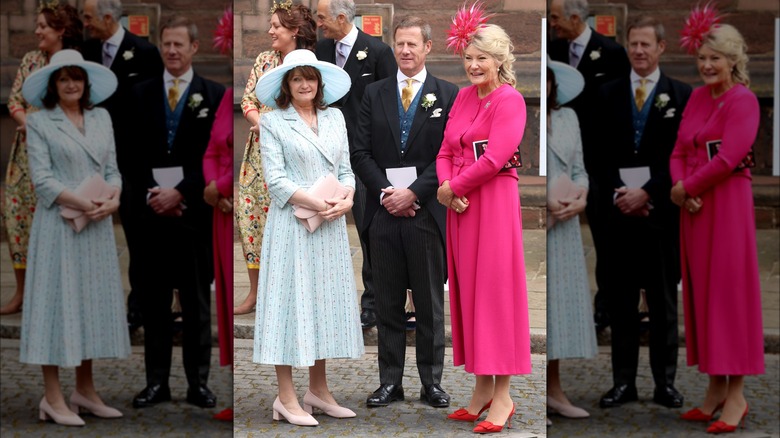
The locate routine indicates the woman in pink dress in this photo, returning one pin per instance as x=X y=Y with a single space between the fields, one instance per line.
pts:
x=488 y=302
x=721 y=289
x=218 y=173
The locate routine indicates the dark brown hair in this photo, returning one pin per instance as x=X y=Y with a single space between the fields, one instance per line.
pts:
x=552 y=98
x=308 y=72
x=175 y=21
x=51 y=98
x=647 y=21
x=66 y=17
x=413 y=21
x=300 y=16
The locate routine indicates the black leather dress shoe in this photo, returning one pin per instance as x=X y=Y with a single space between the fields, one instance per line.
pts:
x=151 y=395
x=201 y=397
x=618 y=395
x=385 y=395
x=367 y=318
x=668 y=396
x=435 y=396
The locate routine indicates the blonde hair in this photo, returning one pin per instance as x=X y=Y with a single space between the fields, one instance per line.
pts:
x=494 y=41
x=727 y=40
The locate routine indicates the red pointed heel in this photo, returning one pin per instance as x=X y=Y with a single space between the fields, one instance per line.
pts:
x=463 y=415
x=723 y=427
x=488 y=427
x=697 y=414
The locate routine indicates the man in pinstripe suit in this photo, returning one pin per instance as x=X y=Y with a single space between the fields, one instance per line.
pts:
x=400 y=129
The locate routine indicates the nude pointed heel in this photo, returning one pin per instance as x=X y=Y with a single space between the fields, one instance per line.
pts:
x=79 y=403
x=312 y=401
x=298 y=420
x=46 y=412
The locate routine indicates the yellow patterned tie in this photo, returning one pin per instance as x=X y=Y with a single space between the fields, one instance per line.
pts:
x=173 y=95
x=406 y=94
x=641 y=94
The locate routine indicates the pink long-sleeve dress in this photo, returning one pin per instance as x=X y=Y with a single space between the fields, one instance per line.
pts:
x=218 y=166
x=488 y=296
x=721 y=289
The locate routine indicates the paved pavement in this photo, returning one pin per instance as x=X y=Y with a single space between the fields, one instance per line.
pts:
x=585 y=381
x=117 y=381
x=351 y=381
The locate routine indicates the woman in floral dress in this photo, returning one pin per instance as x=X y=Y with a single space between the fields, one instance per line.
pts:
x=292 y=27
x=57 y=28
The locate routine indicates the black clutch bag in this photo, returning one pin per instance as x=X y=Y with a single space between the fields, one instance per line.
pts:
x=748 y=162
x=480 y=147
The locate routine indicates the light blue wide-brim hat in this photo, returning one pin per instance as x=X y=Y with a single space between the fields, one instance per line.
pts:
x=568 y=80
x=102 y=81
x=335 y=81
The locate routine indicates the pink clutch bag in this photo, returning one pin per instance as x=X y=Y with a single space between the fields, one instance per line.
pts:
x=93 y=187
x=561 y=188
x=326 y=187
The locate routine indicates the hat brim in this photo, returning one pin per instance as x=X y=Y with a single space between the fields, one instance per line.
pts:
x=102 y=82
x=335 y=82
x=569 y=81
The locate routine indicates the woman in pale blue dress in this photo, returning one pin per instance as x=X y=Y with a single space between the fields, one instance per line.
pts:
x=74 y=303
x=306 y=306
x=570 y=329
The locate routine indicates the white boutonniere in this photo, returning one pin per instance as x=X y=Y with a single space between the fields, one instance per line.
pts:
x=428 y=100
x=436 y=113
x=670 y=113
x=195 y=101
x=204 y=112
x=361 y=55
x=128 y=54
x=595 y=54
x=661 y=101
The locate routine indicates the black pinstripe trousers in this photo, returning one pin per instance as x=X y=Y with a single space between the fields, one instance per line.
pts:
x=408 y=253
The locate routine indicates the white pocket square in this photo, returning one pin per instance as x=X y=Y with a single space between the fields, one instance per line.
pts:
x=436 y=113
x=670 y=113
x=365 y=74
x=204 y=112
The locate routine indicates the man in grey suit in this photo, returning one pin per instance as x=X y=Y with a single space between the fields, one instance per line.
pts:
x=366 y=59
x=399 y=133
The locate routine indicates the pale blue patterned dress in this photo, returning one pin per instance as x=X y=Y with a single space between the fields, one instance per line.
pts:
x=73 y=298
x=570 y=329
x=306 y=303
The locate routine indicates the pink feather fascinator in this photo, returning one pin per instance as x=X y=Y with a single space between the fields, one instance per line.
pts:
x=466 y=23
x=699 y=23
x=223 y=34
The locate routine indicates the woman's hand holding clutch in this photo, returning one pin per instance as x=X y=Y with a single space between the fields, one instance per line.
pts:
x=105 y=207
x=569 y=208
x=336 y=207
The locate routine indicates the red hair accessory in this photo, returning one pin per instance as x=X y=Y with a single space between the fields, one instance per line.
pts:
x=223 y=34
x=464 y=25
x=697 y=26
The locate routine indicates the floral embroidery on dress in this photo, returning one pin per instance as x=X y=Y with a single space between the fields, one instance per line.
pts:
x=19 y=202
x=251 y=213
